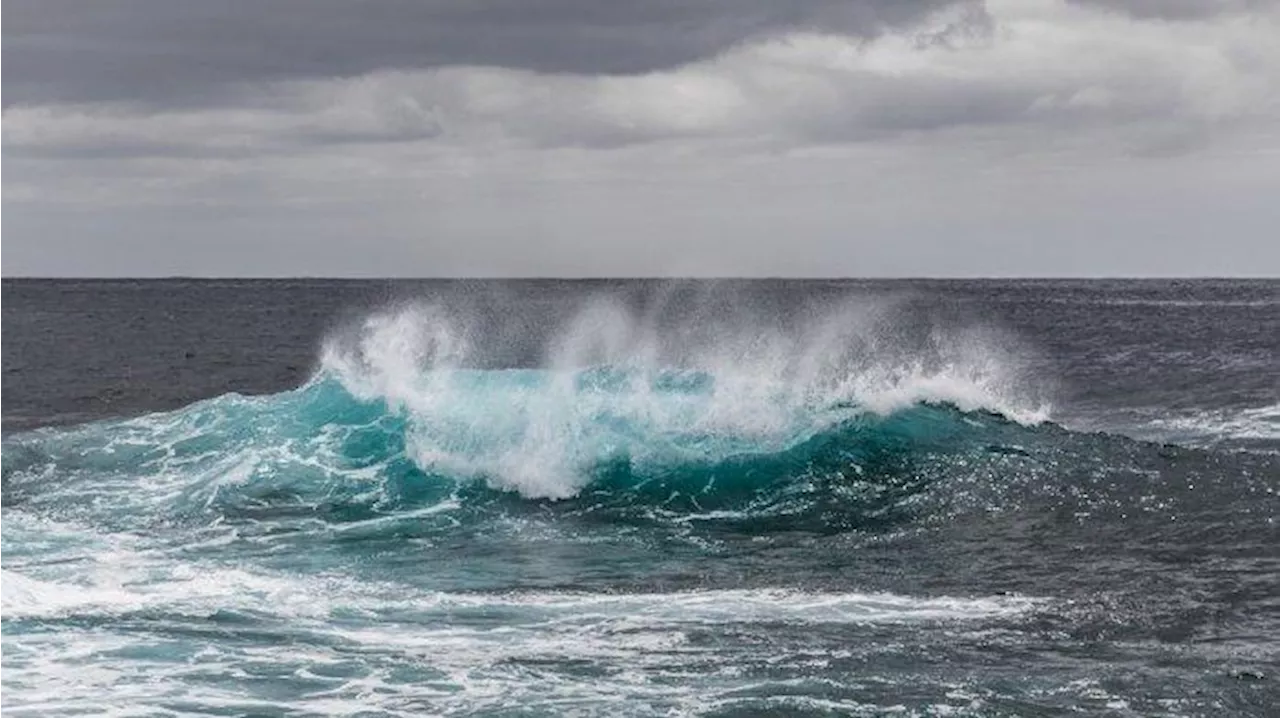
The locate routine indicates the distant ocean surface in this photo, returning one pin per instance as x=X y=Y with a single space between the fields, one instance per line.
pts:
x=641 y=498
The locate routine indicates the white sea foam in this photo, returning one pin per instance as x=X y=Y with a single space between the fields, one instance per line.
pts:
x=124 y=583
x=1261 y=423
x=353 y=643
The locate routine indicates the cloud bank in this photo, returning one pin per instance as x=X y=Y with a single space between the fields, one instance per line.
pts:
x=574 y=121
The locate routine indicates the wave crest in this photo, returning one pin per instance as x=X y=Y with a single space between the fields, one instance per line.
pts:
x=653 y=390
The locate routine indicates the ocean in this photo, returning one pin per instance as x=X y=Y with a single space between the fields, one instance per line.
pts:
x=641 y=498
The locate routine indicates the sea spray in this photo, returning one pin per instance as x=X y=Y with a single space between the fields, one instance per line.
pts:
x=659 y=386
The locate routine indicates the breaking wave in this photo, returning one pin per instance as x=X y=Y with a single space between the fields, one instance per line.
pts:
x=403 y=414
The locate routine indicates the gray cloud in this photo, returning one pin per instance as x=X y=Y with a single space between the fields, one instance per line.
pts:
x=1180 y=9
x=713 y=137
x=167 y=52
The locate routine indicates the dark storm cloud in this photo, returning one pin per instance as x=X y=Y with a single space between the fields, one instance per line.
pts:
x=166 y=52
x=1035 y=70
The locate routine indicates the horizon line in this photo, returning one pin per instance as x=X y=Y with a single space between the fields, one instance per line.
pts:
x=598 y=278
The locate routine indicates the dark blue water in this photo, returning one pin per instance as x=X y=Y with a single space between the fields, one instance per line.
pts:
x=641 y=498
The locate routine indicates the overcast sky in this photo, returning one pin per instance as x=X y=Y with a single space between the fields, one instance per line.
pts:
x=664 y=137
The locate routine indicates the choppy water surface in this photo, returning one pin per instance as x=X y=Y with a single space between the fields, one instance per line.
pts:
x=1011 y=498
